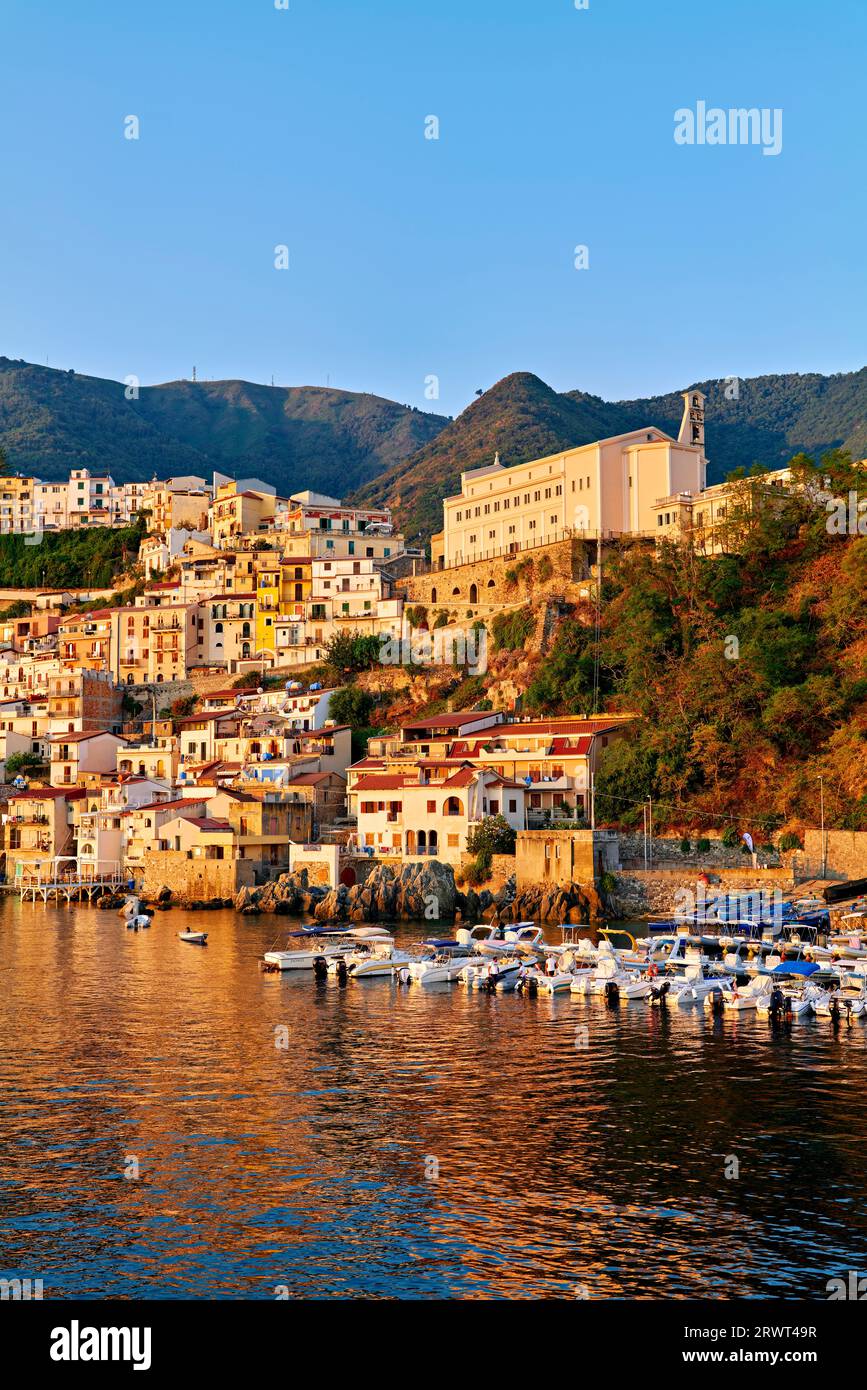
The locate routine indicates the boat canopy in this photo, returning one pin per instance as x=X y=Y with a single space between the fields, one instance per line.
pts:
x=795 y=967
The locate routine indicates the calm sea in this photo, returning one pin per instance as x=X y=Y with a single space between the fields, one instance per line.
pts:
x=175 y=1123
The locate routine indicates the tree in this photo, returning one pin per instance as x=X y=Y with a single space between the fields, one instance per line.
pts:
x=351 y=705
x=348 y=653
x=21 y=762
x=494 y=835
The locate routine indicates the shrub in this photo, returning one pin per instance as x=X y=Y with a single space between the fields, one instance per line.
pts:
x=417 y=615
x=351 y=705
x=685 y=846
x=789 y=840
x=21 y=762
x=546 y=569
x=441 y=619
x=702 y=846
x=493 y=836
x=512 y=631
x=608 y=883
x=730 y=837
x=347 y=653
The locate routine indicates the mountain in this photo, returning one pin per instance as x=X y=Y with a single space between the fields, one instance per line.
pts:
x=520 y=416
x=345 y=442
x=291 y=436
x=770 y=419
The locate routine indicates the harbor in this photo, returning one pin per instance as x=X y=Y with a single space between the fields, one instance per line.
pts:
x=225 y=1131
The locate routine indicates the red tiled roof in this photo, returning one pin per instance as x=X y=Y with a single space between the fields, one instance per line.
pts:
x=209 y=824
x=449 y=721
x=383 y=784
x=574 y=726
x=166 y=805
x=48 y=793
x=462 y=778
x=82 y=737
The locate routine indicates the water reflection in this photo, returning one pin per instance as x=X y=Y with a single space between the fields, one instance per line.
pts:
x=559 y=1166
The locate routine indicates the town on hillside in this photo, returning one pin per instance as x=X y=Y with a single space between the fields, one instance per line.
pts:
x=200 y=727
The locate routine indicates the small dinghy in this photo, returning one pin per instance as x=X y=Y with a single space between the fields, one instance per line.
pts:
x=132 y=914
x=195 y=938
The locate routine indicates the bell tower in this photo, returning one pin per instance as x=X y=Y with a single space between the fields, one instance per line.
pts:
x=692 y=424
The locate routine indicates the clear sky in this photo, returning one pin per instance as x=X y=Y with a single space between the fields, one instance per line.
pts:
x=412 y=257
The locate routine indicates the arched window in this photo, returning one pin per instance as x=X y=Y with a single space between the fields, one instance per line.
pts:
x=433 y=595
x=218 y=627
x=474 y=593
x=245 y=630
x=453 y=807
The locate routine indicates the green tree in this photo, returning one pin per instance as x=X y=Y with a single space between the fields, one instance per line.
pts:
x=493 y=835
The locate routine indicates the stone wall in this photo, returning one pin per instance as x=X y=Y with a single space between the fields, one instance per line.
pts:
x=640 y=893
x=569 y=561
x=666 y=852
x=845 y=853
x=561 y=857
x=192 y=879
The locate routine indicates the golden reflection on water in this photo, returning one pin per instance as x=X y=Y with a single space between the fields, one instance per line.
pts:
x=562 y=1170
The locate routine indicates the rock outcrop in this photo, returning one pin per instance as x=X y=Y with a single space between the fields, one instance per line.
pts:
x=419 y=890
x=292 y=894
x=574 y=903
x=422 y=890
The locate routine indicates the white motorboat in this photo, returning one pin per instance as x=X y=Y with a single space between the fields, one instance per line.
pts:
x=329 y=946
x=522 y=937
x=849 y=1000
x=440 y=965
x=194 y=938
x=851 y=945
x=374 y=960
x=798 y=1000
x=691 y=985
x=500 y=974
x=563 y=966
x=738 y=999
x=609 y=977
x=132 y=914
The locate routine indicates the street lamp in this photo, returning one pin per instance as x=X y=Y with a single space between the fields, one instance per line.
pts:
x=822 y=814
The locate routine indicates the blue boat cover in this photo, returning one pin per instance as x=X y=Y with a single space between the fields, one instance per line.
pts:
x=795 y=967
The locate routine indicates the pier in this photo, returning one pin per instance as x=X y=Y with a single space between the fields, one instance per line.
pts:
x=66 y=876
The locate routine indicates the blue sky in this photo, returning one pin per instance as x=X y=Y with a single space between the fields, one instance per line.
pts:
x=413 y=257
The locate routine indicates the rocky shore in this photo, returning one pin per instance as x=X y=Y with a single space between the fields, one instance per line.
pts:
x=419 y=891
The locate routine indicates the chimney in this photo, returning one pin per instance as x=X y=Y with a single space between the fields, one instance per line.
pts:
x=692 y=424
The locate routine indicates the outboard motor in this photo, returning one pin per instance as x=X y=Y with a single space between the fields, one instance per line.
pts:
x=532 y=986
x=342 y=972
x=612 y=993
x=658 y=995
x=717 y=1002
x=320 y=968
x=777 y=1004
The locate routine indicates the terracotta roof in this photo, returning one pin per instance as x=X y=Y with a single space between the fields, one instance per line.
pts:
x=165 y=805
x=49 y=793
x=383 y=784
x=208 y=716
x=575 y=726
x=449 y=721
x=462 y=778
x=82 y=737
x=208 y=823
